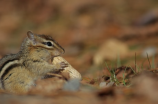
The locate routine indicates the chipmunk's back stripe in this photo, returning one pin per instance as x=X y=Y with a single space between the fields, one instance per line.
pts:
x=6 y=72
x=7 y=65
x=9 y=68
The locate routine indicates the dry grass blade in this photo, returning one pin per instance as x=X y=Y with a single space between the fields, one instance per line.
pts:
x=148 y=60
x=135 y=62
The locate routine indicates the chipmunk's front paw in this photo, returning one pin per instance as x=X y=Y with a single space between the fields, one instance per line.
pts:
x=62 y=65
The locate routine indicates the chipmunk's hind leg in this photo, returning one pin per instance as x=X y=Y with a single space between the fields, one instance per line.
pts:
x=17 y=81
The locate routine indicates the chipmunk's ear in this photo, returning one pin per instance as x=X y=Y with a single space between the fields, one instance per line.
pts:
x=31 y=36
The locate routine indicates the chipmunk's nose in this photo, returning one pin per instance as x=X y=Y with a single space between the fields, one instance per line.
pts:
x=58 y=52
x=63 y=51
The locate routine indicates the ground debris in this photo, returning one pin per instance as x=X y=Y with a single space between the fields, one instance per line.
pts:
x=109 y=50
x=146 y=84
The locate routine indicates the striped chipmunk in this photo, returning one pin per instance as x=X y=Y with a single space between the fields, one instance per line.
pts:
x=18 y=72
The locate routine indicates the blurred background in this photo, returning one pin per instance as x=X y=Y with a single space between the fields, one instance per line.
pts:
x=92 y=32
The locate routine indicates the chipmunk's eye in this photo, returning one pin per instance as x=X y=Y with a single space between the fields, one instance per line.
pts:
x=49 y=44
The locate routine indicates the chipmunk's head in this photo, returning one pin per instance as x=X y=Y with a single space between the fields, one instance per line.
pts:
x=45 y=43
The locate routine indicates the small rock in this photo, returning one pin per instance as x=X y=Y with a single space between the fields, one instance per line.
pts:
x=150 y=51
x=110 y=84
x=102 y=84
x=72 y=85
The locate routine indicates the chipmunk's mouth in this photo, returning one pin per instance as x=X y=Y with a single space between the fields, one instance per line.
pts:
x=52 y=58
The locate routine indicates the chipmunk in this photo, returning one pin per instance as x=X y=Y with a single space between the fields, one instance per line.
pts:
x=18 y=72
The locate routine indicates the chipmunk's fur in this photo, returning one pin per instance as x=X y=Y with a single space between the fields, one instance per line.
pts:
x=18 y=72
